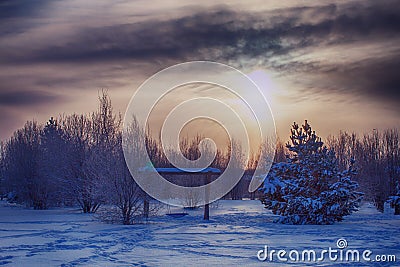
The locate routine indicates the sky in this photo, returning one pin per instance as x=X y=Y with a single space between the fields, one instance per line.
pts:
x=334 y=63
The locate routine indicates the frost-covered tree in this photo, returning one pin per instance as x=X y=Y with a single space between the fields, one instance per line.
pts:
x=308 y=188
x=77 y=130
x=118 y=186
x=52 y=162
x=21 y=167
x=88 y=138
x=103 y=132
x=378 y=159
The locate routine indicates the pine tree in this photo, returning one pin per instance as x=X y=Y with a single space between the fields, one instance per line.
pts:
x=52 y=162
x=395 y=200
x=308 y=188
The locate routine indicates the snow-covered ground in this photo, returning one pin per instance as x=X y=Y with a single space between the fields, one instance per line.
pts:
x=236 y=232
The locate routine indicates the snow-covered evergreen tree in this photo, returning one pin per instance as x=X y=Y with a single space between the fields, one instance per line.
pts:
x=395 y=200
x=51 y=163
x=308 y=188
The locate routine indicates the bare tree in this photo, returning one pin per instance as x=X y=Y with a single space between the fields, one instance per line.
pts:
x=21 y=167
x=377 y=157
x=117 y=184
x=78 y=186
x=88 y=138
x=237 y=161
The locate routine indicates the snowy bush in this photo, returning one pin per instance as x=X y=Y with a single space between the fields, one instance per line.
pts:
x=114 y=214
x=308 y=188
x=191 y=200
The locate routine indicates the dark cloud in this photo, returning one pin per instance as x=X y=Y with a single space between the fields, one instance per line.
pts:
x=13 y=15
x=225 y=34
x=26 y=98
x=21 y=8
x=377 y=78
x=374 y=78
x=229 y=35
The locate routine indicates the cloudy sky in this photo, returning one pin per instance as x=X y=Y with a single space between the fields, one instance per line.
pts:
x=335 y=63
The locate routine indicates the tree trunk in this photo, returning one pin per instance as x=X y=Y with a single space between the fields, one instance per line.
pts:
x=146 y=207
x=207 y=198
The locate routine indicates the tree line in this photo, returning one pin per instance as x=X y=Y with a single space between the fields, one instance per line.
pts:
x=377 y=160
x=73 y=160
x=78 y=160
